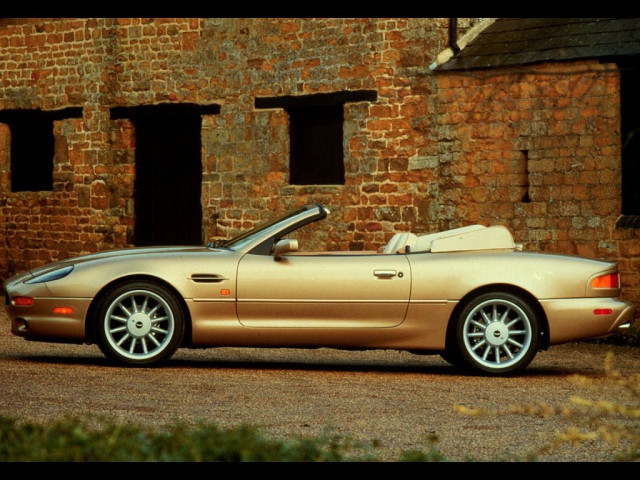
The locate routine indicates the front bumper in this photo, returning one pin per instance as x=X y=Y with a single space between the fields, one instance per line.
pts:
x=40 y=322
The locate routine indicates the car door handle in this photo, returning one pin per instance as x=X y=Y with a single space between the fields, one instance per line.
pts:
x=384 y=273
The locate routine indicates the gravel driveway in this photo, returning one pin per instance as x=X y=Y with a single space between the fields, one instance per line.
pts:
x=399 y=399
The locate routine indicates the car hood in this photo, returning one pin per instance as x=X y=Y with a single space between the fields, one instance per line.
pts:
x=125 y=252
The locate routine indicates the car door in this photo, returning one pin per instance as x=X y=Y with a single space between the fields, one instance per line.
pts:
x=323 y=290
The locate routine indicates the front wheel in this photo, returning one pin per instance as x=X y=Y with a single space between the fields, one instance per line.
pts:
x=496 y=334
x=139 y=323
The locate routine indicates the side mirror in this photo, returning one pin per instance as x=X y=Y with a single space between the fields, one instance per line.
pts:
x=284 y=246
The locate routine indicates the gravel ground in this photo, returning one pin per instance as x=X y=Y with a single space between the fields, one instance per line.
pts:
x=396 y=398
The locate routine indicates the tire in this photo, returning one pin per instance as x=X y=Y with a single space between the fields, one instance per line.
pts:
x=496 y=334
x=139 y=324
x=450 y=355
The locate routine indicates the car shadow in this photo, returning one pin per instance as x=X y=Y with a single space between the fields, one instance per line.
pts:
x=293 y=365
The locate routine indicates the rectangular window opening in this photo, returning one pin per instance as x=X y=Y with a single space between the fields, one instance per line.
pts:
x=316 y=131
x=33 y=146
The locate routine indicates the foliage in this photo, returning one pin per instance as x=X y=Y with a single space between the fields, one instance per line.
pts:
x=97 y=439
x=89 y=439
x=596 y=420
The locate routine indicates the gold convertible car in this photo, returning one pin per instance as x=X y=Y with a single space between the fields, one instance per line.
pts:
x=470 y=295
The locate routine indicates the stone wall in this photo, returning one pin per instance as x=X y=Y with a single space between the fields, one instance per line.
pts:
x=100 y=63
x=536 y=149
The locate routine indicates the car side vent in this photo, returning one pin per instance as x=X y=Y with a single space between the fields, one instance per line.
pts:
x=207 y=278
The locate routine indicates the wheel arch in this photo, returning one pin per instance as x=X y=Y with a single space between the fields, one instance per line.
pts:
x=505 y=288
x=93 y=307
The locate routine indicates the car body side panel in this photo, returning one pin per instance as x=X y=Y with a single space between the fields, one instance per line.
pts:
x=415 y=335
x=203 y=275
x=210 y=319
x=227 y=335
x=336 y=291
x=426 y=324
x=196 y=274
x=559 y=282
x=450 y=276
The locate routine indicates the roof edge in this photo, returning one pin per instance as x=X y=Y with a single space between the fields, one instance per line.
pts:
x=448 y=53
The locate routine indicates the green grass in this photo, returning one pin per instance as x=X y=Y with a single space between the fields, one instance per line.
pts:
x=88 y=439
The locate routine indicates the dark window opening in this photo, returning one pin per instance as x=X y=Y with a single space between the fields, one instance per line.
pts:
x=316 y=155
x=630 y=141
x=524 y=176
x=168 y=184
x=316 y=151
x=33 y=146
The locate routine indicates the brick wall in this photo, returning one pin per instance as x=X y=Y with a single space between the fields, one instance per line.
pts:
x=434 y=151
x=538 y=149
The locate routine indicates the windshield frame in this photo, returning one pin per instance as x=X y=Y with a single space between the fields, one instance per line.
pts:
x=262 y=238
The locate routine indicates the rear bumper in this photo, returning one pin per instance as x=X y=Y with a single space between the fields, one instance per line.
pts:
x=583 y=318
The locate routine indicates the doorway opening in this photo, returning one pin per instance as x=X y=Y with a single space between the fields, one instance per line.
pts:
x=168 y=185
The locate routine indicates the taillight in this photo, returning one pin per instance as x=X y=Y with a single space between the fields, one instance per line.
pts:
x=610 y=280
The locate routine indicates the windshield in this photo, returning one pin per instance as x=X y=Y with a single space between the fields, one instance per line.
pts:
x=274 y=225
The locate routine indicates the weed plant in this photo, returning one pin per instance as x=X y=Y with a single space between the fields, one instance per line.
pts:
x=610 y=421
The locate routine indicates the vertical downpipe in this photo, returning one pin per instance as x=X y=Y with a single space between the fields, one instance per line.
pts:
x=453 y=36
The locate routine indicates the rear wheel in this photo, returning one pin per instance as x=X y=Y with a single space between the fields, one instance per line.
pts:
x=139 y=323
x=496 y=334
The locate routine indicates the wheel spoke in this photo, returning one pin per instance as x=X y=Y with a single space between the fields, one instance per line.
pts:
x=508 y=351
x=485 y=352
x=123 y=339
x=496 y=354
x=132 y=347
x=513 y=322
x=511 y=341
x=143 y=308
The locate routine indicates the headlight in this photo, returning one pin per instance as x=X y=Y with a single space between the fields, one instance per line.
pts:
x=52 y=275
